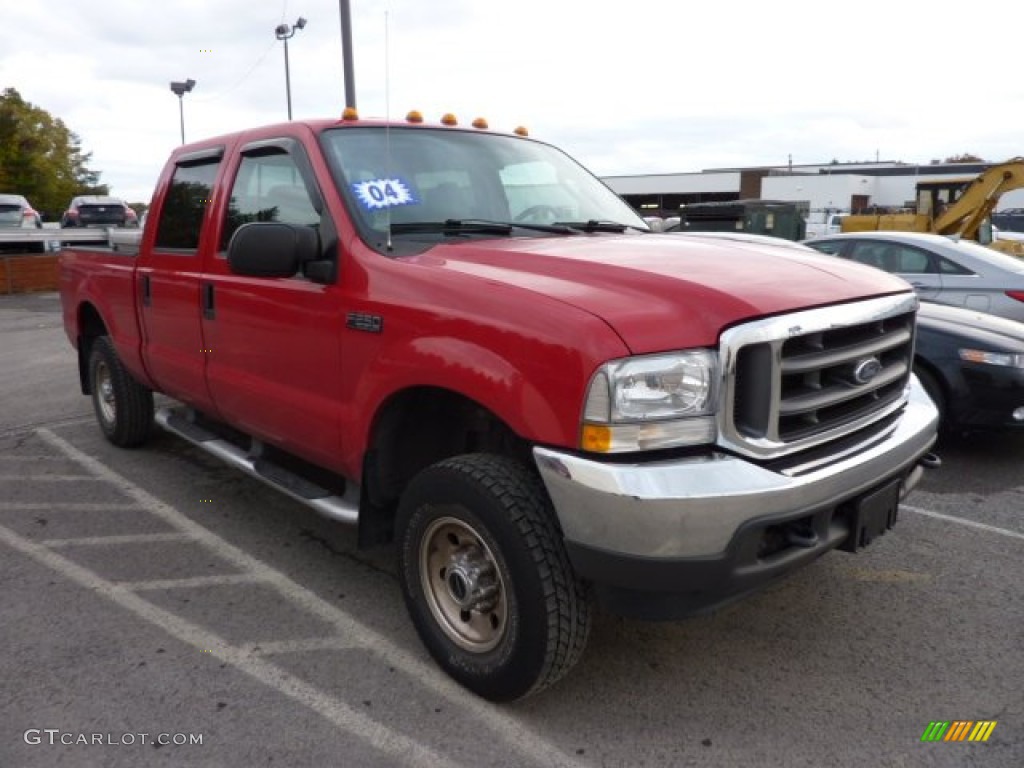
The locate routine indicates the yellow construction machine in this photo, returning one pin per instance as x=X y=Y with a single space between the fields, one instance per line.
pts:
x=954 y=207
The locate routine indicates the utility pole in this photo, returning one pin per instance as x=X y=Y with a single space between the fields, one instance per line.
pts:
x=346 y=54
x=180 y=88
x=285 y=32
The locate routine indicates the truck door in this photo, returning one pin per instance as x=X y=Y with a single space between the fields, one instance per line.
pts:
x=274 y=364
x=168 y=281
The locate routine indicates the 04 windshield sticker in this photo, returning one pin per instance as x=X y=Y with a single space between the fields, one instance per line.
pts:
x=383 y=193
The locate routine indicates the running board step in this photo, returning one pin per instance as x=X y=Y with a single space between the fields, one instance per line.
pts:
x=344 y=509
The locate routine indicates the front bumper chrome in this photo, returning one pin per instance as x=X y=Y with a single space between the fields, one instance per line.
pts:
x=694 y=507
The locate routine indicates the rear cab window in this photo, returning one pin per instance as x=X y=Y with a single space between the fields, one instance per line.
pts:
x=184 y=205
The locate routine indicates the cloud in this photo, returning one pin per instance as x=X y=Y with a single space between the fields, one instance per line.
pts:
x=661 y=87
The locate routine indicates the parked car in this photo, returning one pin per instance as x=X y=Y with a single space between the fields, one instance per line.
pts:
x=443 y=336
x=744 y=237
x=17 y=213
x=98 y=211
x=972 y=366
x=947 y=271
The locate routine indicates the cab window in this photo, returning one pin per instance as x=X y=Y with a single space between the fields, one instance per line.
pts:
x=268 y=187
x=181 y=218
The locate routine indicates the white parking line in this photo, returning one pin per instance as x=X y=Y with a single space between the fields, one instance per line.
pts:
x=337 y=712
x=517 y=735
x=127 y=538
x=49 y=478
x=64 y=506
x=297 y=646
x=225 y=579
x=962 y=521
x=28 y=459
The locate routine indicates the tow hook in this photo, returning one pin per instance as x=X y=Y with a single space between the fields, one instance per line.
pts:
x=927 y=461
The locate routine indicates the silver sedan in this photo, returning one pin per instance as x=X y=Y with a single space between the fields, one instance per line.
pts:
x=959 y=273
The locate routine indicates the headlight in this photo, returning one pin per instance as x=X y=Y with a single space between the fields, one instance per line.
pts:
x=1006 y=359
x=649 y=402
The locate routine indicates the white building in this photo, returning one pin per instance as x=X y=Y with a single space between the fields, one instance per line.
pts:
x=819 y=189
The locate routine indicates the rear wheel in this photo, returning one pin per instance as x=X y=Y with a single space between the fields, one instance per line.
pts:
x=124 y=408
x=486 y=579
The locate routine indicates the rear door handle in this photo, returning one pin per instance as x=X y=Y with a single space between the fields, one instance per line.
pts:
x=147 y=295
x=209 y=311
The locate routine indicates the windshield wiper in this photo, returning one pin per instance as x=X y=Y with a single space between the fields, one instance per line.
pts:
x=476 y=226
x=451 y=227
x=594 y=225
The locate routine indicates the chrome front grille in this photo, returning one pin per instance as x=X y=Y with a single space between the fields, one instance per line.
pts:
x=800 y=380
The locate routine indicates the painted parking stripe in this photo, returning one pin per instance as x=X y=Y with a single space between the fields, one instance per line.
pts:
x=6 y=478
x=517 y=735
x=297 y=646
x=963 y=521
x=128 y=538
x=66 y=506
x=222 y=580
x=402 y=748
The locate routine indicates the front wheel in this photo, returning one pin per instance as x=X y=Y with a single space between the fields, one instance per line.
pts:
x=124 y=408
x=486 y=578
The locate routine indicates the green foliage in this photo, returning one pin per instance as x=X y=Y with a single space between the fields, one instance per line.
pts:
x=966 y=157
x=41 y=158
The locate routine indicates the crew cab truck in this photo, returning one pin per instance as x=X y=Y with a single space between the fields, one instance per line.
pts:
x=461 y=342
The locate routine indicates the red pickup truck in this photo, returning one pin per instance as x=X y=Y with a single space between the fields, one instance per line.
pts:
x=462 y=342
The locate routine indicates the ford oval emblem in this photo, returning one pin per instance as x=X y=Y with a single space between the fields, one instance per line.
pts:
x=866 y=370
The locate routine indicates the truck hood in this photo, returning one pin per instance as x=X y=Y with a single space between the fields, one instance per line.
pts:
x=660 y=292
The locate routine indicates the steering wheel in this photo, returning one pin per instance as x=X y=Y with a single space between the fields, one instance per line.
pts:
x=549 y=212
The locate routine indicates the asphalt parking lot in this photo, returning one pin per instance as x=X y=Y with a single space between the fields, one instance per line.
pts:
x=159 y=608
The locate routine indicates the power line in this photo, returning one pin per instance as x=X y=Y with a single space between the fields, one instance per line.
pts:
x=243 y=78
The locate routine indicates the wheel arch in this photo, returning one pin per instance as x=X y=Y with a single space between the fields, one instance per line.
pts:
x=90 y=326
x=941 y=381
x=414 y=429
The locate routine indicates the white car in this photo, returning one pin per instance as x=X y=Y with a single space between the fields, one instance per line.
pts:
x=962 y=274
x=17 y=213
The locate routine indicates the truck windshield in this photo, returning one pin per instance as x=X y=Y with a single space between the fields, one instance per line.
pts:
x=405 y=179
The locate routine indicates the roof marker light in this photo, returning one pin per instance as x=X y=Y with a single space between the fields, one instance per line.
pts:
x=449 y=119
x=414 y=116
x=349 y=113
x=521 y=131
x=480 y=123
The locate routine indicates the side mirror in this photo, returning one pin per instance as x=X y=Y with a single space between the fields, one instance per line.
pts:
x=271 y=249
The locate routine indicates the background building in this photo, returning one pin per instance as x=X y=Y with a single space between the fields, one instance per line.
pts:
x=820 y=190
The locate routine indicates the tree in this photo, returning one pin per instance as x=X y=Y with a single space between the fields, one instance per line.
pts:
x=966 y=157
x=41 y=158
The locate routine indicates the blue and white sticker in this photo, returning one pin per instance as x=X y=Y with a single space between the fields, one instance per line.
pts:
x=383 y=193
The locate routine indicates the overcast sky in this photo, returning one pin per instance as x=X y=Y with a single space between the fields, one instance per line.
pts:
x=627 y=88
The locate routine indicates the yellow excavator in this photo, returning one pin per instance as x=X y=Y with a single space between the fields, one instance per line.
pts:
x=954 y=207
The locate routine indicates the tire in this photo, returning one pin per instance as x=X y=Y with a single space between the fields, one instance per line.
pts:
x=486 y=578
x=935 y=392
x=123 y=407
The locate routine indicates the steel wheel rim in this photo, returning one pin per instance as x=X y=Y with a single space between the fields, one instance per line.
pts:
x=103 y=386
x=463 y=585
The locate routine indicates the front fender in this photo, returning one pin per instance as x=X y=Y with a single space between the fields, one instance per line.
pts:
x=539 y=411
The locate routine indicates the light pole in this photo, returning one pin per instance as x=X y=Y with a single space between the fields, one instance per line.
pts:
x=346 y=53
x=181 y=88
x=285 y=32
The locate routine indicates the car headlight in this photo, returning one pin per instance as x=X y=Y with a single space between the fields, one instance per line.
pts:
x=1006 y=359
x=652 y=401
